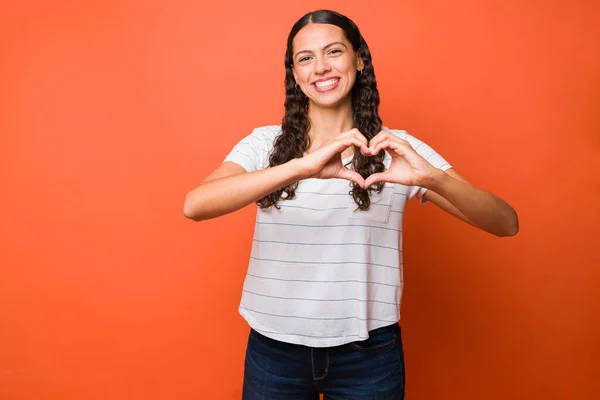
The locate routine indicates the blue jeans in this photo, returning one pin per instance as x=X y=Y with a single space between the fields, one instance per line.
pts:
x=372 y=369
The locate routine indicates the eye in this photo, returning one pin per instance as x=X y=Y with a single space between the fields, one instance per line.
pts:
x=335 y=51
x=303 y=59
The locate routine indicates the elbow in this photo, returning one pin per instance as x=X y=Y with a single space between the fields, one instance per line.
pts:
x=514 y=229
x=189 y=211
x=189 y=214
x=511 y=231
x=512 y=225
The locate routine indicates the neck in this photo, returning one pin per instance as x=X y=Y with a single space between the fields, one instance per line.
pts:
x=328 y=122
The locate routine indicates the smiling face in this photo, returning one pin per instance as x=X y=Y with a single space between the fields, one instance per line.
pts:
x=324 y=64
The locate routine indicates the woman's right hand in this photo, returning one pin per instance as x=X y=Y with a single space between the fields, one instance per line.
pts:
x=326 y=162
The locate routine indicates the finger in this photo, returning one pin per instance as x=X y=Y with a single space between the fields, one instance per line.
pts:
x=358 y=134
x=353 y=140
x=401 y=147
x=339 y=145
x=393 y=145
x=377 y=177
x=386 y=136
x=381 y=136
x=385 y=144
x=365 y=150
x=352 y=176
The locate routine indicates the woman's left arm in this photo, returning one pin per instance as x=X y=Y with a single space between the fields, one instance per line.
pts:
x=447 y=189
x=452 y=193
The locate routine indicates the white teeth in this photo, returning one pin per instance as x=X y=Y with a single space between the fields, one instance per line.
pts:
x=323 y=84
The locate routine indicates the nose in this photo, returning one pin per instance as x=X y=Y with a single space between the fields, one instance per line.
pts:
x=321 y=65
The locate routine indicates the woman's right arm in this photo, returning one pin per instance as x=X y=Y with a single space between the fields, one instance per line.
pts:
x=230 y=188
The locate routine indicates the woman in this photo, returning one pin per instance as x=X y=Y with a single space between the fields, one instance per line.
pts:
x=324 y=284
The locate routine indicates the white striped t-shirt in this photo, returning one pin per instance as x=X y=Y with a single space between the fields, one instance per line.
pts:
x=322 y=273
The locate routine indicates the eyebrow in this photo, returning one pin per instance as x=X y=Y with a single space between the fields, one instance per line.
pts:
x=309 y=51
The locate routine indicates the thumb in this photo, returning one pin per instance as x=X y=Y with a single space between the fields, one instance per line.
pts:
x=352 y=176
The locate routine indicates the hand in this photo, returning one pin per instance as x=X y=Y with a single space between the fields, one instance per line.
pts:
x=407 y=166
x=326 y=162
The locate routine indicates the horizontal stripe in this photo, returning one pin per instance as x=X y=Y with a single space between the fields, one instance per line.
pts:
x=377 y=204
x=328 y=209
x=317 y=319
x=310 y=336
x=329 y=226
x=313 y=209
x=320 y=300
x=324 y=194
x=333 y=194
x=316 y=281
x=324 y=262
x=325 y=244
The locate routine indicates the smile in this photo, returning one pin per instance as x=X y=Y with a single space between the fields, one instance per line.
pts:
x=326 y=85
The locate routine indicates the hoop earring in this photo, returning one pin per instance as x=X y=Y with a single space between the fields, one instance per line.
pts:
x=360 y=73
x=297 y=86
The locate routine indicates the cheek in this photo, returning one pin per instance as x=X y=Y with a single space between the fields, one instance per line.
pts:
x=346 y=66
x=302 y=75
x=349 y=70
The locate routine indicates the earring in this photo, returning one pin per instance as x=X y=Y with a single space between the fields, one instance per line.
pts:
x=297 y=86
x=360 y=72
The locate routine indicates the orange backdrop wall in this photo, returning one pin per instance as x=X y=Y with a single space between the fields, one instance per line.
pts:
x=110 y=112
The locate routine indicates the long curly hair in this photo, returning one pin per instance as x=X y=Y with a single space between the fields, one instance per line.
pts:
x=294 y=139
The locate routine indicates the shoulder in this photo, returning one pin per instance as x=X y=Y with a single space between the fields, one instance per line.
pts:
x=267 y=133
x=252 y=151
x=261 y=137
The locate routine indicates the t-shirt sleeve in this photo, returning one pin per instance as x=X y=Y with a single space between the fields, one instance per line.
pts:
x=252 y=152
x=429 y=154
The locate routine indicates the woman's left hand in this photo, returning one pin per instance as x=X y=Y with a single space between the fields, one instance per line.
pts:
x=407 y=166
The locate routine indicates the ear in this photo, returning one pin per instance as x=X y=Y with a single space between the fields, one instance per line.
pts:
x=359 y=62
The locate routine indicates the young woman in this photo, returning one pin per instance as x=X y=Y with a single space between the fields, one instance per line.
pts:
x=324 y=283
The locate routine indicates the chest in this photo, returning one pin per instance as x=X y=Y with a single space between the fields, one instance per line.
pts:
x=330 y=201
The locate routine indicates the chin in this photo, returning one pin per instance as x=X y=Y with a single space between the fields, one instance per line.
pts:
x=329 y=101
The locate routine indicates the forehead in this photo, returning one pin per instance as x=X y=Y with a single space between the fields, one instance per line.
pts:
x=316 y=36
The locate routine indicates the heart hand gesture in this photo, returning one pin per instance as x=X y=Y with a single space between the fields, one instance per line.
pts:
x=326 y=162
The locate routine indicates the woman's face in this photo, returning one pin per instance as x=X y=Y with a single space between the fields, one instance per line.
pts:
x=325 y=64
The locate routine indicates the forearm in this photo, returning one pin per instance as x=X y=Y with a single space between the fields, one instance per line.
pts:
x=483 y=209
x=225 y=195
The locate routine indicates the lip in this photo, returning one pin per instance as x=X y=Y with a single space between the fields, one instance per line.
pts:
x=314 y=84
x=325 y=79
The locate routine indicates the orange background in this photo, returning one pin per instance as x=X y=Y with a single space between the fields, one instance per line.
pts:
x=110 y=113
